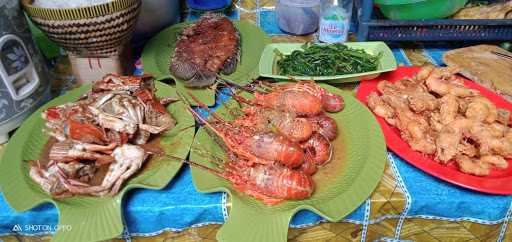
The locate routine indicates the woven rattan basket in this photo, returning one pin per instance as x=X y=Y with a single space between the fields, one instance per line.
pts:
x=93 y=31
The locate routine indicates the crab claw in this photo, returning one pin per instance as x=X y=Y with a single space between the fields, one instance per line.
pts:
x=128 y=160
x=114 y=82
x=86 y=132
x=52 y=114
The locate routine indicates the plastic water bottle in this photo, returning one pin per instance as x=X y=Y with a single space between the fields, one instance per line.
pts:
x=335 y=20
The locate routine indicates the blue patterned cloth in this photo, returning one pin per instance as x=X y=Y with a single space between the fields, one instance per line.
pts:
x=431 y=197
x=147 y=212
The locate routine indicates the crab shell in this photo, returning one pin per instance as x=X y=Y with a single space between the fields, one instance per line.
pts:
x=204 y=49
x=114 y=82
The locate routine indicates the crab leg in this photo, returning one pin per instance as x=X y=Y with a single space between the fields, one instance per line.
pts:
x=38 y=175
x=127 y=174
x=77 y=183
x=128 y=160
x=70 y=151
x=88 y=189
x=103 y=99
x=102 y=148
x=168 y=100
x=152 y=129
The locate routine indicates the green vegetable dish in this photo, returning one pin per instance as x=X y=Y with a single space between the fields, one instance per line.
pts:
x=326 y=60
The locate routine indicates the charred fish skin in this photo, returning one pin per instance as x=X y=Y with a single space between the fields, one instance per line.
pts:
x=205 y=48
x=231 y=63
x=202 y=79
x=183 y=70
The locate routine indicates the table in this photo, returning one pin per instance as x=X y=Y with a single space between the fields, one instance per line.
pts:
x=407 y=204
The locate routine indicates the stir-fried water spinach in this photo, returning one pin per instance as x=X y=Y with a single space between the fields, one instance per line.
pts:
x=326 y=60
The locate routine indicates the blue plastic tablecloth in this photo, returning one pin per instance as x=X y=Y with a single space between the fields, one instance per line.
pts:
x=178 y=206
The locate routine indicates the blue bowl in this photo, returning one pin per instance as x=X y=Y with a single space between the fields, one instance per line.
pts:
x=206 y=5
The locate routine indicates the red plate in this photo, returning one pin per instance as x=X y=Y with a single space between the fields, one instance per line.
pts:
x=498 y=182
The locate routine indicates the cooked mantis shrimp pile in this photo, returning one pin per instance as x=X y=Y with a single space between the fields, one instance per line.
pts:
x=276 y=142
x=105 y=127
x=437 y=115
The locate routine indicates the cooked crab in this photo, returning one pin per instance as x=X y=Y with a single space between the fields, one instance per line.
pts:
x=128 y=159
x=140 y=114
x=103 y=127
x=65 y=179
x=52 y=177
x=113 y=82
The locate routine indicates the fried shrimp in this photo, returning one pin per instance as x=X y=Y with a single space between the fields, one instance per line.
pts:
x=437 y=115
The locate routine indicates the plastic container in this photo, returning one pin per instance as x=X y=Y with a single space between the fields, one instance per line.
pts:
x=298 y=17
x=419 y=9
x=372 y=27
x=335 y=20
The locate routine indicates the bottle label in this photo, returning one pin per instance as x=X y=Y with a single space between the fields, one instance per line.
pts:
x=332 y=31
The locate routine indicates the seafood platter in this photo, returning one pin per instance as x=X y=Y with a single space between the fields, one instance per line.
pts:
x=107 y=126
x=276 y=147
x=83 y=151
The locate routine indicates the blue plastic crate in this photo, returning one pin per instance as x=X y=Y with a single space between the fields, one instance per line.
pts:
x=372 y=26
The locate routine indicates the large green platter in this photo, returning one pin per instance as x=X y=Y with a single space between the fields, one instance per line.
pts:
x=341 y=186
x=90 y=218
x=156 y=58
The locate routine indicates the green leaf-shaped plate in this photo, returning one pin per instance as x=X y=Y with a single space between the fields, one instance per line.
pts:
x=341 y=186
x=156 y=57
x=90 y=218
x=268 y=62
